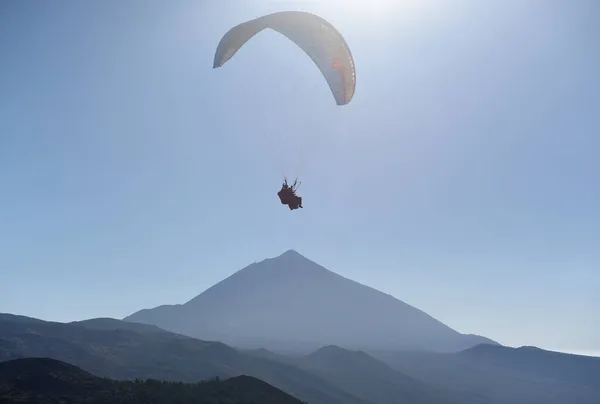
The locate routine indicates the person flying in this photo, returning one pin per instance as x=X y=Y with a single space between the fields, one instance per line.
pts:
x=287 y=195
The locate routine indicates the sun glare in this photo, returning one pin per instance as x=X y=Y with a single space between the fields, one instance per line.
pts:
x=363 y=11
x=373 y=10
x=379 y=7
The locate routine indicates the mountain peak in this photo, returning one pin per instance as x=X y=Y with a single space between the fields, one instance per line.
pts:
x=292 y=300
x=291 y=256
x=289 y=264
x=291 y=253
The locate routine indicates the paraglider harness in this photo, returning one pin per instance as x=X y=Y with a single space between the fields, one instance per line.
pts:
x=287 y=195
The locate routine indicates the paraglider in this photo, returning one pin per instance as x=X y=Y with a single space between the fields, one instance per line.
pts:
x=287 y=195
x=319 y=39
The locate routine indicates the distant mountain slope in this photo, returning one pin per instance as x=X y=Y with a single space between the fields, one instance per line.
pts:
x=123 y=354
x=520 y=376
x=290 y=301
x=44 y=380
x=373 y=380
x=366 y=377
x=576 y=370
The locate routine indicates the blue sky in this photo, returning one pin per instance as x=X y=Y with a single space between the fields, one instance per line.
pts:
x=463 y=178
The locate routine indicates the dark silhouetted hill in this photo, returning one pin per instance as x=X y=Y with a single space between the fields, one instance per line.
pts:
x=44 y=380
x=292 y=303
x=124 y=354
x=14 y=318
x=109 y=324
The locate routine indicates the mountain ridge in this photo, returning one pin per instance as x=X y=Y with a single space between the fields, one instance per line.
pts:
x=328 y=375
x=121 y=353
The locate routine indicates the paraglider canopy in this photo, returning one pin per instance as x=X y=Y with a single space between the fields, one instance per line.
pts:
x=319 y=39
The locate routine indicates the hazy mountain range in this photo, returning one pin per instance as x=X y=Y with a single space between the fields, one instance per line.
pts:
x=314 y=335
x=292 y=303
x=485 y=374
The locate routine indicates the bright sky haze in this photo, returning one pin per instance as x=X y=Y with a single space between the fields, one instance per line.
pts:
x=463 y=178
